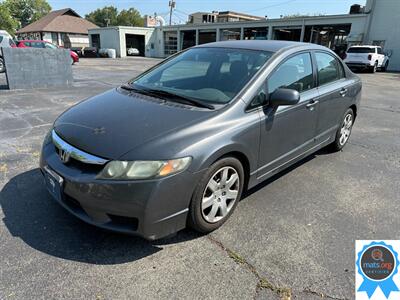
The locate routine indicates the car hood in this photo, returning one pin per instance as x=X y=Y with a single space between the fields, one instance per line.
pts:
x=111 y=124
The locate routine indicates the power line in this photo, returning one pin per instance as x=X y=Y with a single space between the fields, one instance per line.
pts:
x=272 y=5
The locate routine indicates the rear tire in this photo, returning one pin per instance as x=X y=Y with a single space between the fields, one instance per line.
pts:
x=344 y=131
x=374 y=68
x=2 y=66
x=216 y=195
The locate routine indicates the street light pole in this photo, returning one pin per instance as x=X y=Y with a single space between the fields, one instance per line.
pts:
x=171 y=4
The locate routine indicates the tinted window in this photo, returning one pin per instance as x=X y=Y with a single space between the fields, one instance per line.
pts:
x=329 y=68
x=361 y=50
x=1 y=38
x=27 y=44
x=380 y=51
x=210 y=74
x=50 y=46
x=295 y=73
x=37 y=44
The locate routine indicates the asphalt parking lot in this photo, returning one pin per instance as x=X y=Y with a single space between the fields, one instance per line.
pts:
x=292 y=237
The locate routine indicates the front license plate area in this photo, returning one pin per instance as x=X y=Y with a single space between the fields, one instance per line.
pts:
x=54 y=183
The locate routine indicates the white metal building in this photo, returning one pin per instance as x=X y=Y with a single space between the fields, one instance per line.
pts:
x=378 y=23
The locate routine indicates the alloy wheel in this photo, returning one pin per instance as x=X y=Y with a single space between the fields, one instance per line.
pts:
x=220 y=194
x=346 y=129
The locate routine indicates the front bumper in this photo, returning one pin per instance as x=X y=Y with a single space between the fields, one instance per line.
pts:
x=148 y=208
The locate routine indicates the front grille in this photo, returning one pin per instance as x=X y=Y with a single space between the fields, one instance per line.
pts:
x=76 y=158
x=81 y=166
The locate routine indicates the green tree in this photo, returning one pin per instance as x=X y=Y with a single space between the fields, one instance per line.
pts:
x=7 y=22
x=27 y=11
x=106 y=16
x=130 y=17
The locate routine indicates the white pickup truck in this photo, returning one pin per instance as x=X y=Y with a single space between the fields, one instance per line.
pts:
x=366 y=57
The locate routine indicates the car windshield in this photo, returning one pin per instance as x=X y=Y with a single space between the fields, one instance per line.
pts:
x=211 y=75
x=361 y=50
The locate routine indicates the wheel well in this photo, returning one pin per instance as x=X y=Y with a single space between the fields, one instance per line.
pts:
x=244 y=161
x=354 y=109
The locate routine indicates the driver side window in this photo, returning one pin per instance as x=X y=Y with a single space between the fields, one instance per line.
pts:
x=295 y=73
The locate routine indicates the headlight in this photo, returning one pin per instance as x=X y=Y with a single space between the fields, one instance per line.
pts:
x=143 y=169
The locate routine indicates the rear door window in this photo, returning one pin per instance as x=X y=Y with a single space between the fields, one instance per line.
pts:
x=329 y=68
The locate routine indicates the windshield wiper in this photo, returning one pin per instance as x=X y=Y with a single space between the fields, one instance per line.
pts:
x=179 y=98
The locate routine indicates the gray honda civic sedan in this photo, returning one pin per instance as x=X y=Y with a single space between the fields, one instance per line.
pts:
x=178 y=144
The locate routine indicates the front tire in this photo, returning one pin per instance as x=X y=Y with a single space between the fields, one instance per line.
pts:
x=216 y=195
x=344 y=131
x=2 y=65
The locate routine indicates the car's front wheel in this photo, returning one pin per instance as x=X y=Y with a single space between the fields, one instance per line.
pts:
x=216 y=195
x=2 y=65
x=344 y=131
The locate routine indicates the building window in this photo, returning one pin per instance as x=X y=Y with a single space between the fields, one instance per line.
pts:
x=54 y=38
x=95 y=40
x=170 y=42
x=256 y=33
x=230 y=34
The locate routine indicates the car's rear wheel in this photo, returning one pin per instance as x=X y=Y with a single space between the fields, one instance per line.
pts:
x=2 y=66
x=344 y=131
x=216 y=195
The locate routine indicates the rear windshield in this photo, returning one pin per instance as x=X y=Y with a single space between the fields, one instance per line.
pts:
x=361 y=50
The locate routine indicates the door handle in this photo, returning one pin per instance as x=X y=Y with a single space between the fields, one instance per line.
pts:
x=343 y=92
x=311 y=104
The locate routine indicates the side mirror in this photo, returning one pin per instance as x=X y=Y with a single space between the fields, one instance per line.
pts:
x=284 y=97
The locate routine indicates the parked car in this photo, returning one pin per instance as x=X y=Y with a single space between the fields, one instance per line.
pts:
x=179 y=144
x=44 y=44
x=90 y=52
x=6 y=41
x=78 y=50
x=366 y=57
x=132 y=51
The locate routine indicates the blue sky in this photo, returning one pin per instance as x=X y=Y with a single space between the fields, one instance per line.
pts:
x=271 y=8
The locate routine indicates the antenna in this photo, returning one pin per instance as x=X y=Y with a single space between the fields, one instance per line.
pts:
x=171 y=5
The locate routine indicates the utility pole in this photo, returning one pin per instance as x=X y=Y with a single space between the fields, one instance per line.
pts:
x=171 y=4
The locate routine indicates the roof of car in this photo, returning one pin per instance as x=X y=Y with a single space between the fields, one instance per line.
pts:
x=365 y=46
x=262 y=45
x=40 y=41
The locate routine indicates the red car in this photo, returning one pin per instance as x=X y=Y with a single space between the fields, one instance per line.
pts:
x=44 y=44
